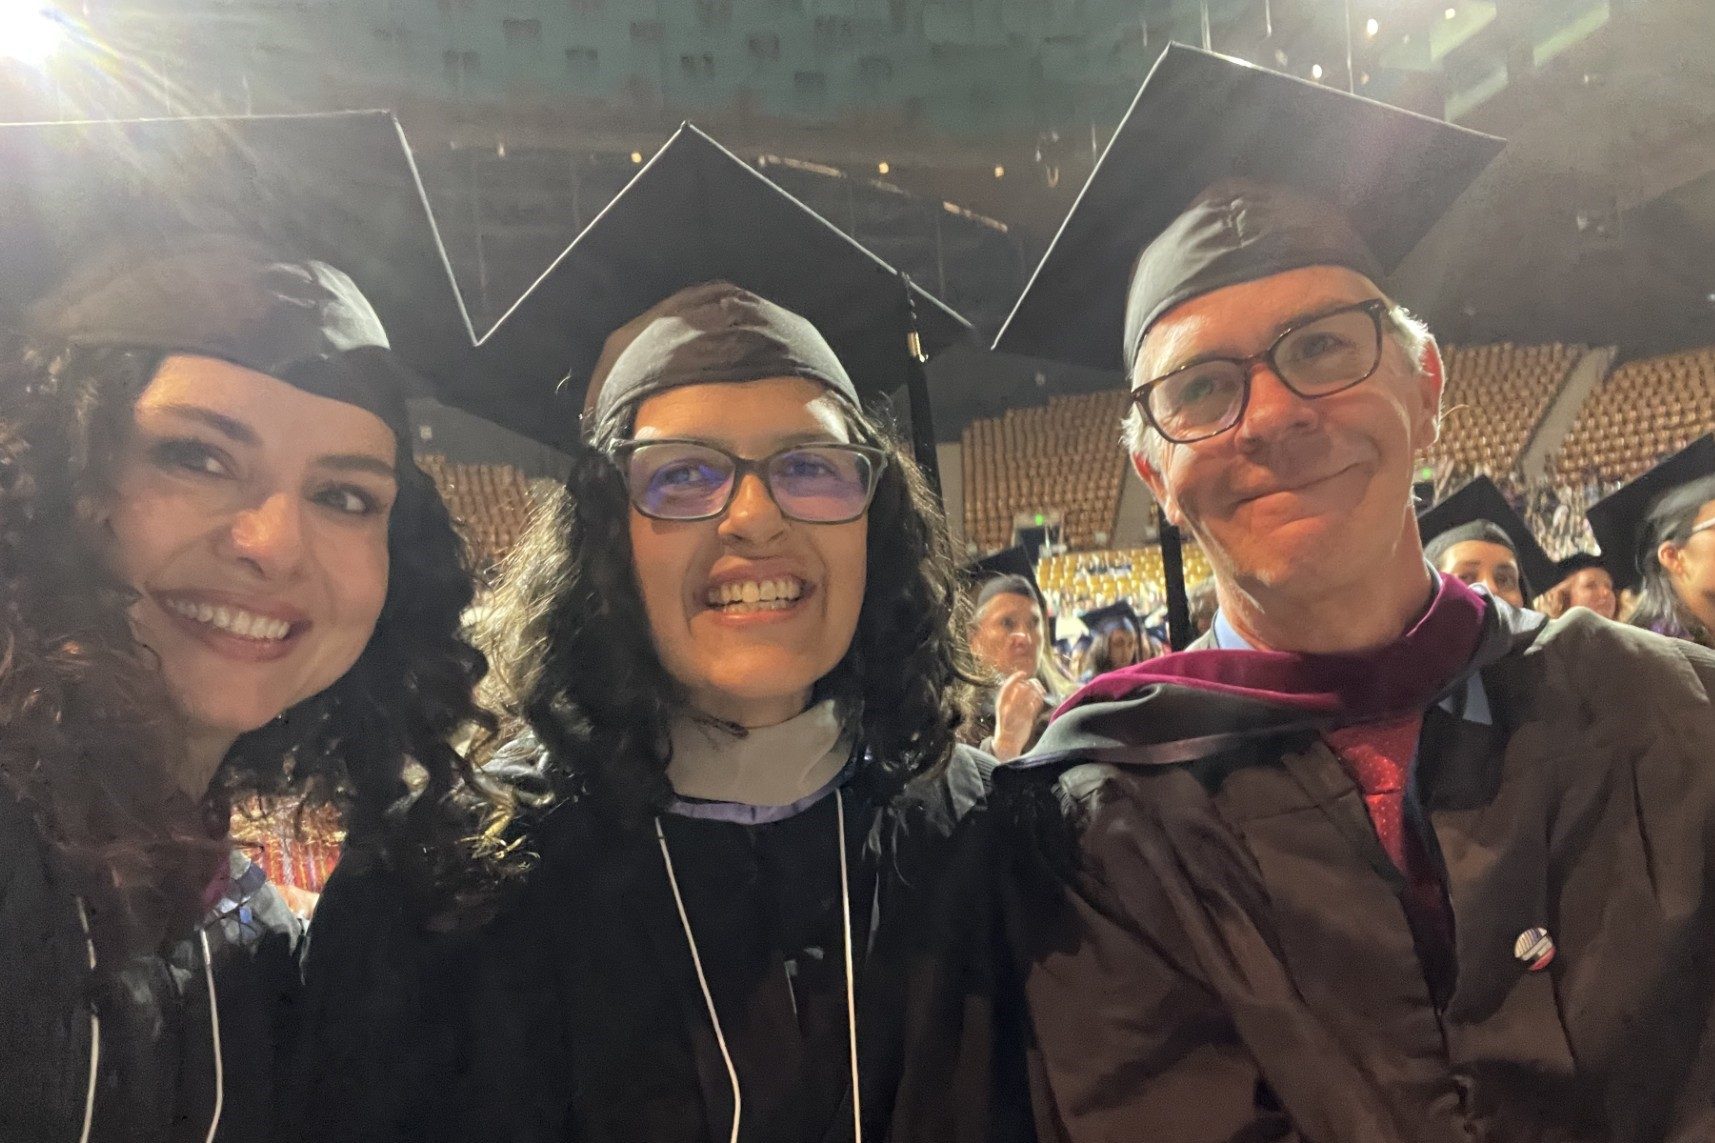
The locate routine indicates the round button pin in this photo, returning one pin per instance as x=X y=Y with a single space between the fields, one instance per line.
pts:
x=1534 y=949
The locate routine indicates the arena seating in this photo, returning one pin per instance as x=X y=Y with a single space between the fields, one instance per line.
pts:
x=1643 y=411
x=1077 y=580
x=1062 y=457
x=1496 y=394
x=297 y=851
x=490 y=504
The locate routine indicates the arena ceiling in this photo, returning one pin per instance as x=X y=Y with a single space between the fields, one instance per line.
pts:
x=1598 y=225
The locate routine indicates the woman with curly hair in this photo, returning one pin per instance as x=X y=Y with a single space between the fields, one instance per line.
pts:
x=733 y=645
x=221 y=575
x=760 y=908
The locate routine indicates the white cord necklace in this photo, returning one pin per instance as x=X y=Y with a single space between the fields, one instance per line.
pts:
x=851 y=982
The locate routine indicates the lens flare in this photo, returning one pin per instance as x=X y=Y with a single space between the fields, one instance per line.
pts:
x=30 y=32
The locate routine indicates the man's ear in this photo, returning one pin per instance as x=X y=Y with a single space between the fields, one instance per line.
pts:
x=1432 y=382
x=1146 y=472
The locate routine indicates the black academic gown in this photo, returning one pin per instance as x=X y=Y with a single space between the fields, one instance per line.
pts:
x=1221 y=954
x=156 y=1059
x=578 y=1015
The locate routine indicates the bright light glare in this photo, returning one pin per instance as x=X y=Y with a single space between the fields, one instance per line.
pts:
x=29 y=32
x=1372 y=26
x=1451 y=13
x=1315 y=71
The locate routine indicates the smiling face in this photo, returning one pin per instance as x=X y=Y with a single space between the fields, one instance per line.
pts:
x=251 y=518
x=748 y=610
x=1593 y=588
x=1490 y=564
x=1301 y=496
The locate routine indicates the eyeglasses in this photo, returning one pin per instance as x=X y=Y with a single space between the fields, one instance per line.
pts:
x=692 y=480
x=1316 y=358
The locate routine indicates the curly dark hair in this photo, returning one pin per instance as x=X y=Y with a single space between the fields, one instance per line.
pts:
x=569 y=636
x=87 y=747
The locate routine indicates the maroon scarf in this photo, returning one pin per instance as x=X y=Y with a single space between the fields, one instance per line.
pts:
x=1403 y=677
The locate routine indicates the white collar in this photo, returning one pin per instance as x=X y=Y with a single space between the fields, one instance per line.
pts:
x=765 y=766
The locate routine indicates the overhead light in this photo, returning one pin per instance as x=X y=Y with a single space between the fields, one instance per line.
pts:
x=637 y=156
x=1451 y=13
x=29 y=31
x=1000 y=172
x=883 y=167
x=1315 y=71
x=1372 y=27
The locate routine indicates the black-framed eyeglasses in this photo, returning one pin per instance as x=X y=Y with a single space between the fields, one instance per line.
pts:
x=1318 y=357
x=672 y=479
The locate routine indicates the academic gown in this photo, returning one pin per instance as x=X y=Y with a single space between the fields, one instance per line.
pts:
x=156 y=1080
x=1218 y=950
x=578 y=1015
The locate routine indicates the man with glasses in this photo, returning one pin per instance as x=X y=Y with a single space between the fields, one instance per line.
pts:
x=1382 y=858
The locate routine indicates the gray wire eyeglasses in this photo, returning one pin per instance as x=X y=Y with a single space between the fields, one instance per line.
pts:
x=672 y=479
x=1318 y=357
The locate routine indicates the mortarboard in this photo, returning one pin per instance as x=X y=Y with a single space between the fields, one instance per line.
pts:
x=1223 y=172
x=298 y=245
x=1113 y=615
x=1576 y=562
x=1474 y=513
x=696 y=214
x=1632 y=522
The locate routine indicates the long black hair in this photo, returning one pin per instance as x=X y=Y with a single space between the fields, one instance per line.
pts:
x=1659 y=607
x=88 y=747
x=571 y=640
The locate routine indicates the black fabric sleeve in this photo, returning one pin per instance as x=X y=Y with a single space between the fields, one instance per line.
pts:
x=1127 y=1043
x=376 y=1050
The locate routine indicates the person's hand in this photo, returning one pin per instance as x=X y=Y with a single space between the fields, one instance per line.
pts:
x=1016 y=708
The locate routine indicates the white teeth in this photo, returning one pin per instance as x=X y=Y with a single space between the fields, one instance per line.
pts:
x=739 y=596
x=232 y=620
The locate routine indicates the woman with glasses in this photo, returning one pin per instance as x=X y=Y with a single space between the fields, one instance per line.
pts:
x=760 y=903
x=731 y=643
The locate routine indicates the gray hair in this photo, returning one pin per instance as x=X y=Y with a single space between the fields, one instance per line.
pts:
x=1139 y=436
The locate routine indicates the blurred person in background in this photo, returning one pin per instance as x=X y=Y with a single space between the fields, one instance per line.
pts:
x=1117 y=639
x=1585 y=581
x=1007 y=636
x=1477 y=537
x=1663 y=525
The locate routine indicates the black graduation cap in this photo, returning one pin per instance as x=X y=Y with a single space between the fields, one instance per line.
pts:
x=1330 y=178
x=79 y=199
x=1006 y=562
x=1631 y=522
x=1463 y=516
x=1114 y=614
x=1577 y=562
x=696 y=213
